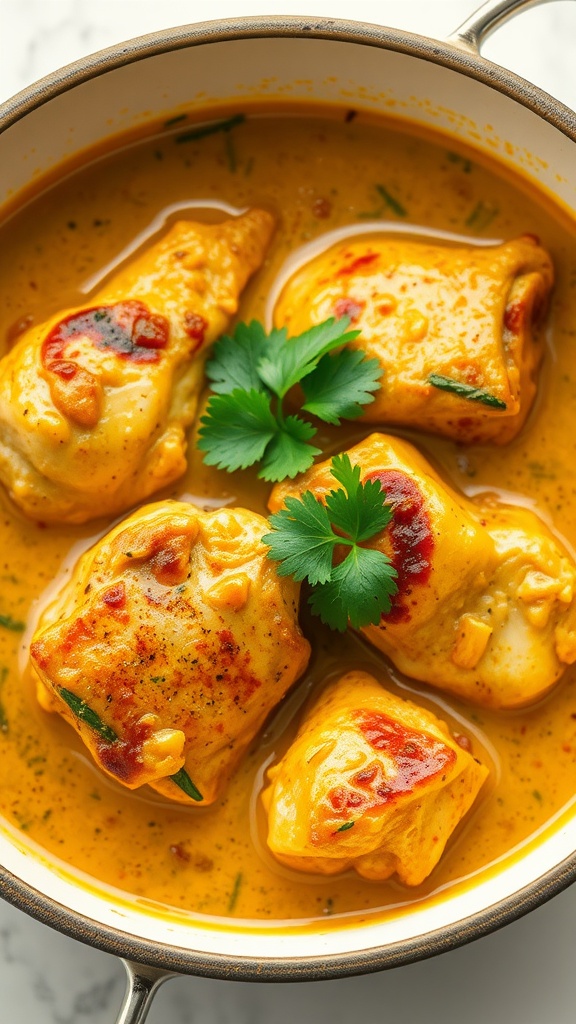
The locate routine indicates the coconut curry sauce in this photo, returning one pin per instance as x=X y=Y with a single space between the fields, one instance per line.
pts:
x=316 y=174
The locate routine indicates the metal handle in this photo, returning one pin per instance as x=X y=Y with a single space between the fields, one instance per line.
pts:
x=143 y=983
x=472 y=32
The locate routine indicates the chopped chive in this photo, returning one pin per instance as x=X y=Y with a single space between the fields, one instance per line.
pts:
x=482 y=215
x=390 y=201
x=537 y=795
x=174 y=120
x=183 y=780
x=467 y=391
x=235 y=892
x=85 y=713
x=9 y=623
x=4 y=726
x=211 y=129
x=346 y=826
x=464 y=162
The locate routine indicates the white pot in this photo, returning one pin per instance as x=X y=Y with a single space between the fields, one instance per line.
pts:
x=442 y=85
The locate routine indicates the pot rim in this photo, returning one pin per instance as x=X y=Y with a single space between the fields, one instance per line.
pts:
x=178 y=959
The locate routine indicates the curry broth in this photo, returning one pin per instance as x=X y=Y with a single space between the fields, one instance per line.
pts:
x=316 y=173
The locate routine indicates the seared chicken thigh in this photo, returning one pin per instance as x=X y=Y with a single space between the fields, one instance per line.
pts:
x=370 y=782
x=432 y=312
x=95 y=402
x=171 y=643
x=486 y=602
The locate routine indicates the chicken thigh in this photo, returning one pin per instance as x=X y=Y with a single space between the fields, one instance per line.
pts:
x=371 y=782
x=170 y=644
x=486 y=602
x=95 y=402
x=455 y=329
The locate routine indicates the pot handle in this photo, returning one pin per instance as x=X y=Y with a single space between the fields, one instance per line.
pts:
x=472 y=32
x=143 y=983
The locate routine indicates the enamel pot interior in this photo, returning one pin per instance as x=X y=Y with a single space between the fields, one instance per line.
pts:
x=286 y=61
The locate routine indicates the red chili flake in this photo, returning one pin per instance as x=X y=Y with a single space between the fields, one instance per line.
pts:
x=64 y=368
x=348 y=307
x=115 y=596
x=360 y=261
x=411 y=537
x=178 y=851
x=124 y=757
x=128 y=329
x=366 y=775
x=321 y=208
x=195 y=326
x=514 y=316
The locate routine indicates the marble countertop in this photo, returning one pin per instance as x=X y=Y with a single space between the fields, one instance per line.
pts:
x=524 y=974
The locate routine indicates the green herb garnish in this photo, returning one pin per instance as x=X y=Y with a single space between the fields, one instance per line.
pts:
x=388 y=200
x=482 y=215
x=346 y=826
x=183 y=780
x=235 y=892
x=210 y=129
x=463 y=161
x=391 y=201
x=86 y=714
x=4 y=724
x=177 y=119
x=360 y=587
x=252 y=372
x=467 y=391
x=9 y=623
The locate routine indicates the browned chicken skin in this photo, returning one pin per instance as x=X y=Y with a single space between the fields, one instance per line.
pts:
x=371 y=782
x=486 y=603
x=469 y=314
x=177 y=633
x=95 y=402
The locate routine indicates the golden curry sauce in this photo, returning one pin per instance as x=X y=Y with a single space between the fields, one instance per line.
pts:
x=316 y=171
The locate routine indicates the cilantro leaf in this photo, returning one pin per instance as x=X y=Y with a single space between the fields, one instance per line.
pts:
x=294 y=358
x=358 y=510
x=288 y=452
x=340 y=385
x=234 y=360
x=236 y=429
x=251 y=372
x=302 y=540
x=360 y=590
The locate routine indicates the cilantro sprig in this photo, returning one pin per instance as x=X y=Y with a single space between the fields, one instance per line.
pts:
x=307 y=533
x=251 y=374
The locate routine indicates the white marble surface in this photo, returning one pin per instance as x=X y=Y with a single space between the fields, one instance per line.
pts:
x=525 y=974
